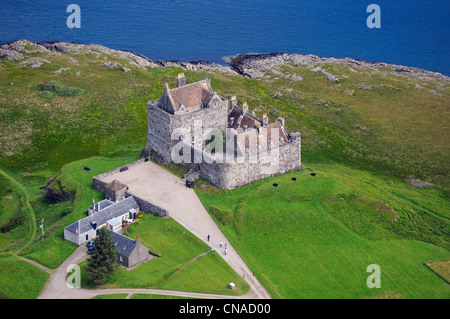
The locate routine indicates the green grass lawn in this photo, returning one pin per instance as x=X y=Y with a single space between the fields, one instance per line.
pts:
x=301 y=244
x=176 y=269
x=20 y=279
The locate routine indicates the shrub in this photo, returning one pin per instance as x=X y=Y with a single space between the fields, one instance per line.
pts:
x=223 y=215
x=50 y=86
x=54 y=86
x=70 y=91
x=12 y=223
x=45 y=94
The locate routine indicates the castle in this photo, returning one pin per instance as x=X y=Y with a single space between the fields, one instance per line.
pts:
x=194 y=126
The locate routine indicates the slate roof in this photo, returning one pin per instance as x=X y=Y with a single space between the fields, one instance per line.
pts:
x=101 y=205
x=101 y=217
x=124 y=244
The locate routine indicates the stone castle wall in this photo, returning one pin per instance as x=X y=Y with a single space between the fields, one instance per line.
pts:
x=161 y=124
x=236 y=172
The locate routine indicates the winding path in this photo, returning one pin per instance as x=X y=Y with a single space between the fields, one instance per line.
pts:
x=26 y=200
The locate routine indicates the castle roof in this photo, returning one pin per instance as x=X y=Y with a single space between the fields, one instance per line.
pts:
x=261 y=138
x=239 y=119
x=191 y=95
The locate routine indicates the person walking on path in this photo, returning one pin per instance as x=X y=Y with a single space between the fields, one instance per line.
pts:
x=225 y=252
x=208 y=237
x=220 y=244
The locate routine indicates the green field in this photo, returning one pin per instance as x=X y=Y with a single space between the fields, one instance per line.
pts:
x=314 y=237
x=380 y=194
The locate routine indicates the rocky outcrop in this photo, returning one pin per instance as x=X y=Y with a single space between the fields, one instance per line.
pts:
x=255 y=65
x=197 y=65
x=55 y=191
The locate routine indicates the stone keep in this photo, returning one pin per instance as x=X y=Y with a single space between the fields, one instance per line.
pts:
x=254 y=148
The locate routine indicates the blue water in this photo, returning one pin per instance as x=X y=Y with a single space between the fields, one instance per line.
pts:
x=413 y=33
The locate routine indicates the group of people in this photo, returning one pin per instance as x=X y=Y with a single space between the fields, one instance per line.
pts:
x=220 y=245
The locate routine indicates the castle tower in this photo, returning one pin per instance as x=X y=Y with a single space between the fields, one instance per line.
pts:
x=115 y=191
x=245 y=107
x=181 y=80
x=265 y=119
x=233 y=102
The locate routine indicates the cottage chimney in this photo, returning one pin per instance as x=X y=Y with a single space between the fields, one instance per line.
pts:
x=245 y=108
x=137 y=239
x=265 y=120
x=281 y=120
x=181 y=80
x=233 y=102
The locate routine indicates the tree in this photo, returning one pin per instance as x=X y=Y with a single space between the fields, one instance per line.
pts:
x=102 y=263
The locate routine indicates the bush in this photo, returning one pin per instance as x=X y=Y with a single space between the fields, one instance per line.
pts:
x=12 y=223
x=46 y=94
x=70 y=91
x=54 y=86
x=50 y=86
x=223 y=215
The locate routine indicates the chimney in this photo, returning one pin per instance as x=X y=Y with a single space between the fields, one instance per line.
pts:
x=281 y=120
x=245 y=108
x=233 y=102
x=265 y=120
x=137 y=239
x=181 y=80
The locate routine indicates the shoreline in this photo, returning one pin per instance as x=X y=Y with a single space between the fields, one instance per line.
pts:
x=245 y=64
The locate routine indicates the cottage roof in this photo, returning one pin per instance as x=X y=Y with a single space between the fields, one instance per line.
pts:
x=124 y=244
x=101 y=205
x=115 y=185
x=103 y=216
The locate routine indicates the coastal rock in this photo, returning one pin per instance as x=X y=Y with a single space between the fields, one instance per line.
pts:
x=196 y=66
x=254 y=65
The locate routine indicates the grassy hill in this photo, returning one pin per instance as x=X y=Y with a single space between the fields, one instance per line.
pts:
x=315 y=237
x=377 y=136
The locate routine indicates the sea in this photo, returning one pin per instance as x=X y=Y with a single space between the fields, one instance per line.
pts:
x=411 y=32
